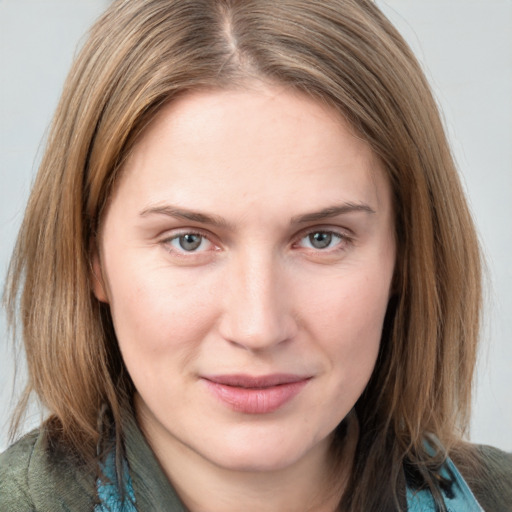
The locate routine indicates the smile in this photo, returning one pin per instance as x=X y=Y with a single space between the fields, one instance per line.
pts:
x=255 y=395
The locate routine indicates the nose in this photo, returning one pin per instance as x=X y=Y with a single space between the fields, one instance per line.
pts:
x=257 y=308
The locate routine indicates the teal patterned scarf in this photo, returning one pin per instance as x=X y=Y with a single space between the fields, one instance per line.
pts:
x=456 y=493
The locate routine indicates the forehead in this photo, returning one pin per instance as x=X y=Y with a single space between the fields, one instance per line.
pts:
x=254 y=143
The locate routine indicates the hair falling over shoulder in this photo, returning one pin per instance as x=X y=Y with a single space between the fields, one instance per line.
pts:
x=139 y=56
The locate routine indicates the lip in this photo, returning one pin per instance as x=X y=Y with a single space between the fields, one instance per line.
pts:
x=255 y=394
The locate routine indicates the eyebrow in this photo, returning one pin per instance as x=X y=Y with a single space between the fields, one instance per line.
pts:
x=217 y=221
x=182 y=213
x=332 y=211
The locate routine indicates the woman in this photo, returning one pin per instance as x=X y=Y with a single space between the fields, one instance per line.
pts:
x=247 y=275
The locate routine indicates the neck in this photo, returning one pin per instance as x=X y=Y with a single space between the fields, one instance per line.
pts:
x=314 y=483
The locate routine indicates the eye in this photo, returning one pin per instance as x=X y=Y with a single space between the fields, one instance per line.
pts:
x=320 y=240
x=189 y=242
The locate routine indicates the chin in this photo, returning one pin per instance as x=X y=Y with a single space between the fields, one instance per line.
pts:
x=266 y=452
x=255 y=460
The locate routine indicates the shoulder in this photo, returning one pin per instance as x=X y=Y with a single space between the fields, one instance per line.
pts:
x=488 y=472
x=14 y=464
x=34 y=476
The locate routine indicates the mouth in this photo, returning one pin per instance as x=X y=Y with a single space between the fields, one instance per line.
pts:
x=255 y=394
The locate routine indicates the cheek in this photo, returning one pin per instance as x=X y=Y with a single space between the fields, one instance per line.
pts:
x=159 y=322
x=346 y=319
x=156 y=308
x=350 y=303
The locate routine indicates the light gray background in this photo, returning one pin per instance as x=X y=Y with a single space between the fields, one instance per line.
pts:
x=466 y=49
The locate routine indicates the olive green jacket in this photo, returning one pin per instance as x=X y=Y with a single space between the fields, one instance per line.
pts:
x=35 y=479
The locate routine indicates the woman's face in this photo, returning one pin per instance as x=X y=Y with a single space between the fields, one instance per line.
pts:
x=247 y=255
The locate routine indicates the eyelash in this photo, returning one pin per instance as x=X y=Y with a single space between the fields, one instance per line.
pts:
x=343 y=241
x=184 y=253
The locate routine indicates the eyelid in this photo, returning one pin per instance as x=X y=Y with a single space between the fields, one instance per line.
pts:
x=174 y=234
x=346 y=237
x=336 y=230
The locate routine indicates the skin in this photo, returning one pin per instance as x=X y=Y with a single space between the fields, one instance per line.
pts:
x=258 y=295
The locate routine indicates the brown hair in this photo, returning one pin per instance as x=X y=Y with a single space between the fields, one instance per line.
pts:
x=140 y=55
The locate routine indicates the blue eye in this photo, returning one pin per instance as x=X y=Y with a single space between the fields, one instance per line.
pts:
x=189 y=242
x=321 y=240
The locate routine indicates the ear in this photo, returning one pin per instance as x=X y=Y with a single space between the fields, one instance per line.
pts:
x=97 y=280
